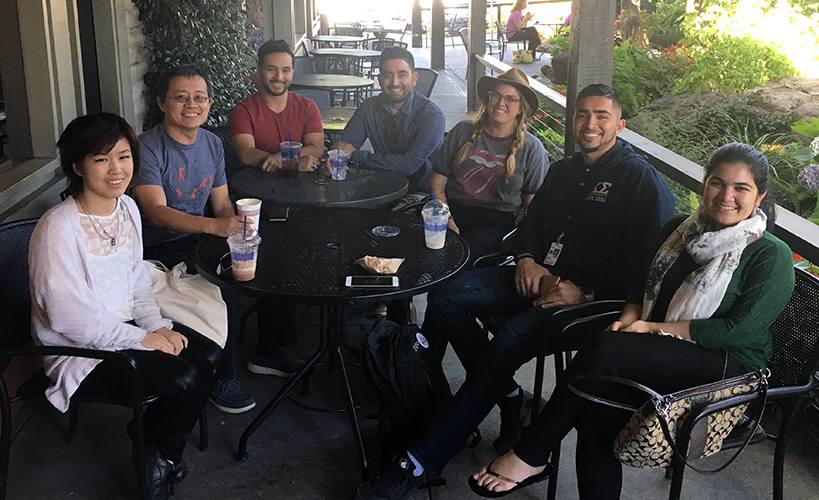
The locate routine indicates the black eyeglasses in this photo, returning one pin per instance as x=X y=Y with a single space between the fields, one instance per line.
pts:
x=497 y=96
x=182 y=99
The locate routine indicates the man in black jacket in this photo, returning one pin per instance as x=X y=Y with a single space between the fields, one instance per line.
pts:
x=589 y=227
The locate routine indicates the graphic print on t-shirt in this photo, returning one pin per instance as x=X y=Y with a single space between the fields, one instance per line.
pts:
x=481 y=174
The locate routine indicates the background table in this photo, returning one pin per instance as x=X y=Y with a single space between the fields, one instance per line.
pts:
x=355 y=62
x=306 y=260
x=357 y=86
x=362 y=188
x=335 y=119
x=337 y=40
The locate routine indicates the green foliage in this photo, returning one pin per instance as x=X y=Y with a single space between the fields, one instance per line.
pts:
x=213 y=34
x=549 y=126
x=732 y=64
x=809 y=129
x=560 y=41
x=627 y=80
x=667 y=24
x=640 y=79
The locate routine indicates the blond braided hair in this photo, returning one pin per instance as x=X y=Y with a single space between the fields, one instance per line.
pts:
x=521 y=124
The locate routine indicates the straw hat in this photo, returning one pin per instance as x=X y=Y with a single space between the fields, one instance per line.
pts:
x=514 y=77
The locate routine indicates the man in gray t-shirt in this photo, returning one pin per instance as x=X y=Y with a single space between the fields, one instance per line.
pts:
x=182 y=167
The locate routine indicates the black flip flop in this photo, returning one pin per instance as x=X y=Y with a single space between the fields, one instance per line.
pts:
x=529 y=481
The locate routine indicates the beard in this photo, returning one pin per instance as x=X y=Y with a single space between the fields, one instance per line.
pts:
x=268 y=89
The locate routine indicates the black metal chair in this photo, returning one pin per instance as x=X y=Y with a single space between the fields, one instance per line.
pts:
x=232 y=162
x=15 y=340
x=503 y=42
x=795 y=335
x=426 y=80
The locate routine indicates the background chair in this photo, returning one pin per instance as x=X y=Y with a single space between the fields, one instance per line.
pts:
x=15 y=340
x=320 y=97
x=426 y=81
x=380 y=44
x=232 y=162
x=503 y=42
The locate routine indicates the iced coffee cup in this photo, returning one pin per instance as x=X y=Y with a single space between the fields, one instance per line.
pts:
x=250 y=208
x=436 y=216
x=291 y=154
x=244 y=252
x=337 y=163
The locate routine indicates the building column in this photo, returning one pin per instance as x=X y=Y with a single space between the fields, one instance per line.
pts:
x=477 y=45
x=591 y=53
x=438 y=40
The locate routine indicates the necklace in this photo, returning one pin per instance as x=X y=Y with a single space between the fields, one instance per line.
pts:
x=101 y=232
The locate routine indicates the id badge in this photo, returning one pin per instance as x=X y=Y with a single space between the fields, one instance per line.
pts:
x=554 y=253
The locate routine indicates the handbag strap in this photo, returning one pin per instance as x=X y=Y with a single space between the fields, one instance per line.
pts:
x=617 y=380
x=763 y=388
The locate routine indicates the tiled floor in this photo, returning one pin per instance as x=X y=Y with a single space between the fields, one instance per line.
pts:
x=299 y=454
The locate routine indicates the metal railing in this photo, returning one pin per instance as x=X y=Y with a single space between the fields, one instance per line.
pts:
x=800 y=234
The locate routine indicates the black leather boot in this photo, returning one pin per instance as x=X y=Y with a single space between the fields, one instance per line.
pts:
x=160 y=473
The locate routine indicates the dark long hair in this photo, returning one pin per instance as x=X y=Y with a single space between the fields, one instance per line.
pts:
x=756 y=163
x=91 y=135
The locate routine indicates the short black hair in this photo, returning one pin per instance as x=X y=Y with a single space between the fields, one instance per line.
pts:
x=396 y=52
x=600 y=90
x=273 y=46
x=163 y=84
x=90 y=135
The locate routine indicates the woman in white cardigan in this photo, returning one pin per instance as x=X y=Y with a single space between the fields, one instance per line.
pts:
x=89 y=288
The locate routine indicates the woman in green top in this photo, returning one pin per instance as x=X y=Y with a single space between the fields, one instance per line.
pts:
x=717 y=281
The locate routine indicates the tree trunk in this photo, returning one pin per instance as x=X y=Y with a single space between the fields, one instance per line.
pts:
x=633 y=29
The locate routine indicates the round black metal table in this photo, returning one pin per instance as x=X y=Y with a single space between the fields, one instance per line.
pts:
x=335 y=119
x=357 y=86
x=362 y=188
x=306 y=260
x=337 y=40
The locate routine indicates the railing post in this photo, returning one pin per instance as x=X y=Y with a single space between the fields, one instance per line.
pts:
x=477 y=45
x=591 y=53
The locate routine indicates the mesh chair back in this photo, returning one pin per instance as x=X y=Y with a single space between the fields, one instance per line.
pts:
x=320 y=97
x=464 y=32
x=795 y=335
x=380 y=44
x=232 y=162
x=303 y=65
x=349 y=30
x=426 y=80
x=15 y=301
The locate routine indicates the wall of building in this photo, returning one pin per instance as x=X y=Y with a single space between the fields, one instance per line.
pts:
x=139 y=63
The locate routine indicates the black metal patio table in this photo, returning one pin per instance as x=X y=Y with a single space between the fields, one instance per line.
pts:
x=306 y=259
x=362 y=188
x=357 y=86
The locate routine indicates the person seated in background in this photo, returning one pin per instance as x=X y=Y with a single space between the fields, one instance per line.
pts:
x=258 y=126
x=260 y=122
x=182 y=170
x=490 y=168
x=89 y=288
x=516 y=29
x=404 y=127
x=591 y=225
x=717 y=281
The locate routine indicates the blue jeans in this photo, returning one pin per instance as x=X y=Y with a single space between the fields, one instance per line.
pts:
x=490 y=365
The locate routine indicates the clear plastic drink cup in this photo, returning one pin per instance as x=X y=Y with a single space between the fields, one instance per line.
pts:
x=435 y=220
x=244 y=252
x=291 y=154
x=337 y=162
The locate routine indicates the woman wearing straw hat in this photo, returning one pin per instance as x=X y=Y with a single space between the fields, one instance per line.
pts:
x=489 y=169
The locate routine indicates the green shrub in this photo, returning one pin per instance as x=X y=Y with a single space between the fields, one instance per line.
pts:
x=732 y=64
x=213 y=34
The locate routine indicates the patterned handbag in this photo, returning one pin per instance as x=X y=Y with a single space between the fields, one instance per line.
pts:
x=649 y=438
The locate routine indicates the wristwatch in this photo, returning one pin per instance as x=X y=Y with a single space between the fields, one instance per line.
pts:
x=587 y=292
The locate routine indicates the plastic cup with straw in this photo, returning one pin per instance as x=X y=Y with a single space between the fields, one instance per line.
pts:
x=435 y=223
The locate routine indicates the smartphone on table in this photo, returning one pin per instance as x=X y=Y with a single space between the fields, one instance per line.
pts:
x=372 y=281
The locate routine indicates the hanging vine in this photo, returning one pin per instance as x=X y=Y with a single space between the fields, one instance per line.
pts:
x=213 y=34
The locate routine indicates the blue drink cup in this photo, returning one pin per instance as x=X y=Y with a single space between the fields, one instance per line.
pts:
x=291 y=154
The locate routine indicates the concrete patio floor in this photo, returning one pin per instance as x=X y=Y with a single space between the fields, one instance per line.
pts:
x=299 y=454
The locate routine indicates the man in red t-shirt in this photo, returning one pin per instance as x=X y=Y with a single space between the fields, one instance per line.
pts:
x=260 y=122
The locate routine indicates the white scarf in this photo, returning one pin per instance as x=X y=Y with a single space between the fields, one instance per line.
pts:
x=716 y=252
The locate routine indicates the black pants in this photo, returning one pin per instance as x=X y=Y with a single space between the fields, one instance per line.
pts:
x=185 y=382
x=482 y=228
x=528 y=34
x=663 y=363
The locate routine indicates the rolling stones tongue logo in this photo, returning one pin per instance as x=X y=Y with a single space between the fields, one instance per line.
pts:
x=483 y=172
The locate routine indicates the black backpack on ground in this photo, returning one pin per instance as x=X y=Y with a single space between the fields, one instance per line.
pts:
x=408 y=382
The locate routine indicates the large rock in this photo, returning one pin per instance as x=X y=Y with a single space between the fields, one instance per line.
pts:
x=789 y=99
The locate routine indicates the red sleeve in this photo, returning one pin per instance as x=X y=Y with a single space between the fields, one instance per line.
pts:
x=240 y=120
x=312 y=119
